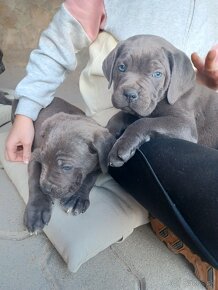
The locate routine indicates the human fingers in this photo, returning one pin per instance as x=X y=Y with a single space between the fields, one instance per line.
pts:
x=210 y=61
x=197 y=62
x=20 y=138
x=13 y=152
x=211 y=68
x=26 y=152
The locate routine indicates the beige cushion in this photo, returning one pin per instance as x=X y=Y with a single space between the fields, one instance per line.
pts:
x=111 y=217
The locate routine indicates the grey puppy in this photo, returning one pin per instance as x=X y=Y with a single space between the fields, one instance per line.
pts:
x=70 y=150
x=156 y=83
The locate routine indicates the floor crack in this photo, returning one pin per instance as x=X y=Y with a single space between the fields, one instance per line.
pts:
x=140 y=282
x=44 y=261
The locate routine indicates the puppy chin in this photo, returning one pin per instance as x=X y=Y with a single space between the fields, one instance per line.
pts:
x=145 y=111
x=60 y=193
x=120 y=103
x=56 y=193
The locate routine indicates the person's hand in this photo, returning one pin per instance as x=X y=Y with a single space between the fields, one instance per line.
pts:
x=207 y=70
x=20 y=139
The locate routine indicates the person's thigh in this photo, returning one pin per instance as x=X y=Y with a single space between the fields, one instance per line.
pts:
x=177 y=182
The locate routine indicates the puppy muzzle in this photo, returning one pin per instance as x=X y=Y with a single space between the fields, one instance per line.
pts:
x=54 y=191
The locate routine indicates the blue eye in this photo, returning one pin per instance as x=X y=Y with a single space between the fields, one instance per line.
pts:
x=122 y=67
x=157 y=74
x=67 y=167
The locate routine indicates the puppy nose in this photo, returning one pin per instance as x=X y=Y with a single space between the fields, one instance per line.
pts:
x=45 y=187
x=131 y=94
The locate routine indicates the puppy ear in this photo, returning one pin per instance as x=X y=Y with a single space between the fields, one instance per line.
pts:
x=108 y=65
x=182 y=75
x=52 y=121
x=45 y=128
x=103 y=142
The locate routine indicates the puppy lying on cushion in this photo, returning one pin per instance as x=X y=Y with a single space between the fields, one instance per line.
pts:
x=70 y=150
x=155 y=82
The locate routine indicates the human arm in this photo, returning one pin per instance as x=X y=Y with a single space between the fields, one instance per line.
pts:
x=48 y=65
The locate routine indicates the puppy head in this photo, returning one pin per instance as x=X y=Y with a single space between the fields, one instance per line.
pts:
x=72 y=147
x=2 y=67
x=145 y=69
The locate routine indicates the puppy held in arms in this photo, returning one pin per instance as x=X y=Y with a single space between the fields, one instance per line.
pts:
x=155 y=83
x=70 y=150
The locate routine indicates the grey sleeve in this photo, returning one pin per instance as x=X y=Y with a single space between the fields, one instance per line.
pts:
x=48 y=65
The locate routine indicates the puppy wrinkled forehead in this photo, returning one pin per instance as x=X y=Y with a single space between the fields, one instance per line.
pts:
x=145 y=44
x=143 y=59
x=77 y=131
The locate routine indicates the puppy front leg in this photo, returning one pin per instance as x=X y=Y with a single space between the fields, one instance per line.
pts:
x=39 y=207
x=119 y=122
x=141 y=131
x=79 y=201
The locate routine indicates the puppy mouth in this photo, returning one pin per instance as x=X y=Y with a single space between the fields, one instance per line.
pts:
x=134 y=108
x=58 y=187
x=129 y=110
x=59 y=192
x=54 y=192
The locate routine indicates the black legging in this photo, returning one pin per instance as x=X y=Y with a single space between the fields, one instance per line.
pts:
x=177 y=182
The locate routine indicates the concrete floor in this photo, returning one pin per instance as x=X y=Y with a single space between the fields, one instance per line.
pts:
x=140 y=262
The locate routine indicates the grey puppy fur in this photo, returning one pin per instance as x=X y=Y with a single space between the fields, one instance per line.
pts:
x=70 y=150
x=2 y=69
x=156 y=83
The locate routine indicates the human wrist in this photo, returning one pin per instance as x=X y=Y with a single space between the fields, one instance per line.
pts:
x=21 y=118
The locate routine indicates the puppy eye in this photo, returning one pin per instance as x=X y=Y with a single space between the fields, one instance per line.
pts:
x=67 y=167
x=157 y=74
x=122 y=67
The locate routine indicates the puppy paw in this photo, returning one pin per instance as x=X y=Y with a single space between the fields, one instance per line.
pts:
x=37 y=216
x=76 y=204
x=121 y=152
